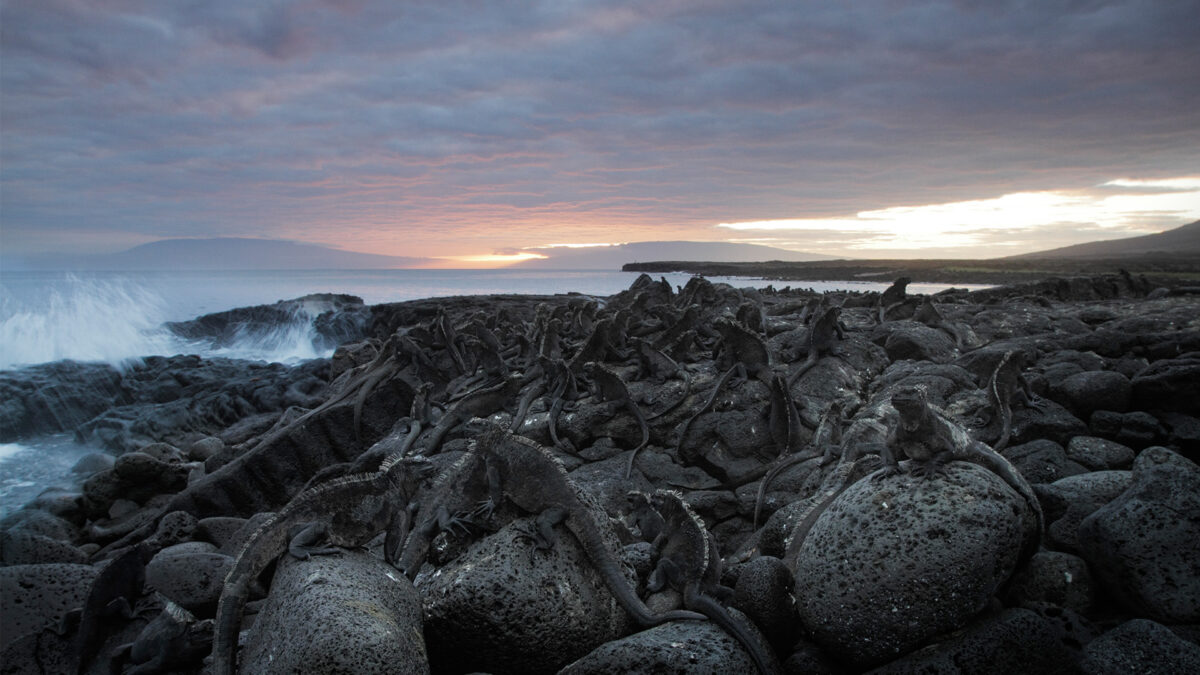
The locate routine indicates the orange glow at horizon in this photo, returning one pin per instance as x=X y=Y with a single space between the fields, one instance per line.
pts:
x=481 y=261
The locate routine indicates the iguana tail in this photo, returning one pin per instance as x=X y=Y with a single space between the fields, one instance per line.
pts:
x=606 y=564
x=700 y=602
x=1005 y=425
x=637 y=412
x=809 y=362
x=687 y=390
x=783 y=464
x=707 y=404
x=385 y=370
x=263 y=547
x=834 y=486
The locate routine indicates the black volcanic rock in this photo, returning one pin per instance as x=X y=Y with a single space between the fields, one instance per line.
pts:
x=929 y=567
x=334 y=319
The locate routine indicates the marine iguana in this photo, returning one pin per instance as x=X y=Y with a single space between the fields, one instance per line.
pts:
x=783 y=418
x=744 y=349
x=654 y=363
x=566 y=391
x=689 y=562
x=649 y=522
x=750 y=314
x=750 y=357
x=893 y=296
x=114 y=592
x=821 y=340
x=171 y=641
x=689 y=320
x=1005 y=385
x=928 y=314
x=487 y=365
x=345 y=512
x=837 y=482
x=445 y=330
x=827 y=437
x=536 y=482
x=477 y=403
x=597 y=346
x=930 y=439
x=608 y=387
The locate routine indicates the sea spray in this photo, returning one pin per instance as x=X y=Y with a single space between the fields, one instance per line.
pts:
x=82 y=318
x=119 y=319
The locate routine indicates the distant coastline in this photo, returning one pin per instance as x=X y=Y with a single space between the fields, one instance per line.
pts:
x=1161 y=269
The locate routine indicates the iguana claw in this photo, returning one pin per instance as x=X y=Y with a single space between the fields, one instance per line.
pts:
x=928 y=469
x=463 y=525
x=530 y=538
x=887 y=471
x=485 y=509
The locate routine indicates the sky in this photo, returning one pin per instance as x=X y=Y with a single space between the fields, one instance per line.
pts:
x=880 y=128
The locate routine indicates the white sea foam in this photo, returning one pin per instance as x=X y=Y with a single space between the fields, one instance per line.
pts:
x=28 y=467
x=117 y=319
x=7 y=450
x=85 y=319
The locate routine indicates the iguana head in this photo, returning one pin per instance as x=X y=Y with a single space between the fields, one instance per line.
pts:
x=834 y=411
x=637 y=499
x=667 y=503
x=486 y=433
x=1014 y=358
x=911 y=402
x=409 y=472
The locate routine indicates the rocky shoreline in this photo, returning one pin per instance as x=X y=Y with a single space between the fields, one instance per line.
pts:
x=1161 y=269
x=984 y=481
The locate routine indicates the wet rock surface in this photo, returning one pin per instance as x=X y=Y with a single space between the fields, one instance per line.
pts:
x=856 y=562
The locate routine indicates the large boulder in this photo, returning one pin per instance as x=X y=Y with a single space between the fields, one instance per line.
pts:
x=1016 y=640
x=503 y=607
x=1140 y=646
x=27 y=548
x=38 y=596
x=896 y=560
x=192 y=578
x=1086 y=392
x=909 y=340
x=1142 y=545
x=674 y=647
x=1170 y=384
x=1053 y=577
x=1099 y=454
x=1042 y=461
x=342 y=613
x=763 y=593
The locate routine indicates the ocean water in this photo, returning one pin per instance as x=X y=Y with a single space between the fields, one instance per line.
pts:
x=117 y=317
x=28 y=468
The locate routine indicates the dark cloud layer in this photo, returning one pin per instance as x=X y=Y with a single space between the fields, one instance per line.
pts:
x=427 y=128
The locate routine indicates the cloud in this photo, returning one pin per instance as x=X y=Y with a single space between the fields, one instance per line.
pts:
x=431 y=128
x=1020 y=222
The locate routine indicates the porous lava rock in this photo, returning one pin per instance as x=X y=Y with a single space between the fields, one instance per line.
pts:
x=692 y=647
x=1142 y=545
x=503 y=607
x=191 y=578
x=1015 y=640
x=37 y=596
x=896 y=560
x=1140 y=646
x=343 y=613
x=1086 y=392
